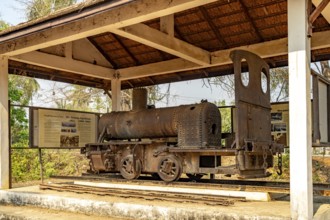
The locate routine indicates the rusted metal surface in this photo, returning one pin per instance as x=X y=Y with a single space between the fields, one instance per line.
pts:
x=196 y=125
x=224 y=184
x=148 y=195
x=140 y=99
x=199 y=126
x=252 y=99
x=187 y=138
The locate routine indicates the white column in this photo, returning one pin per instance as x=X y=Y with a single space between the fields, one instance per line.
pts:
x=116 y=94
x=299 y=49
x=4 y=132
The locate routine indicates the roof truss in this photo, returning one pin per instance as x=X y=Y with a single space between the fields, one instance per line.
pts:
x=149 y=36
x=128 y=14
x=126 y=21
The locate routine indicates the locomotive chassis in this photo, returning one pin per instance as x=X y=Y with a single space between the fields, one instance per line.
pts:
x=147 y=157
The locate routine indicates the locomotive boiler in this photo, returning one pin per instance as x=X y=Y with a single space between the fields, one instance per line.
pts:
x=167 y=142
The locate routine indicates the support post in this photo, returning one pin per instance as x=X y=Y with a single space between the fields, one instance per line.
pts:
x=4 y=124
x=299 y=50
x=41 y=165
x=116 y=94
x=167 y=24
x=328 y=107
x=9 y=146
x=316 y=114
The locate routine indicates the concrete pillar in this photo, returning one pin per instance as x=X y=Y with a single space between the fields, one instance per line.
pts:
x=116 y=94
x=299 y=50
x=4 y=131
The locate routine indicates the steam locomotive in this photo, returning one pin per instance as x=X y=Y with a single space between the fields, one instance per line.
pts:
x=167 y=142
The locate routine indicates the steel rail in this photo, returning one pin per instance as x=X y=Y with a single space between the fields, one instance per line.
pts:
x=241 y=185
x=141 y=194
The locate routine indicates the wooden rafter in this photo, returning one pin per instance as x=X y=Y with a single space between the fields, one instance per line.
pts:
x=248 y=16
x=27 y=71
x=151 y=80
x=318 y=10
x=218 y=58
x=135 y=60
x=106 y=56
x=213 y=27
x=325 y=11
x=125 y=15
x=65 y=64
x=151 y=37
x=167 y=25
x=268 y=4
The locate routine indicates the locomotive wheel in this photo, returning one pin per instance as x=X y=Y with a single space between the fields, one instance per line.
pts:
x=127 y=169
x=194 y=176
x=170 y=168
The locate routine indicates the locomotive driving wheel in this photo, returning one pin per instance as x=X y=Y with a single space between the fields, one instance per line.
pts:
x=127 y=170
x=169 y=168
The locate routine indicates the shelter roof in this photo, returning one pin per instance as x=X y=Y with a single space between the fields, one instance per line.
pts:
x=147 y=42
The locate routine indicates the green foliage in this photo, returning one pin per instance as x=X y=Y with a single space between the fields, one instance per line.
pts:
x=279 y=84
x=285 y=168
x=3 y=25
x=21 y=90
x=225 y=117
x=75 y=97
x=38 y=8
x=64 y=162
x=25 y=164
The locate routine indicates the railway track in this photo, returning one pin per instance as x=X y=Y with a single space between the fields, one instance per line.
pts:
x=100 y=186
x=147 y=195
x=241 y=185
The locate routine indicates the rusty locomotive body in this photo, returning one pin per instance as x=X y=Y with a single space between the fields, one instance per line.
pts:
x=187 y=139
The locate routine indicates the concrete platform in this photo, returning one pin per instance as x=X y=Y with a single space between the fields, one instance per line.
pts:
x=10 y=212
x=105 y=206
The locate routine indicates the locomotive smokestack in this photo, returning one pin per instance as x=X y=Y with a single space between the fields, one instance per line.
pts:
x=140 y=99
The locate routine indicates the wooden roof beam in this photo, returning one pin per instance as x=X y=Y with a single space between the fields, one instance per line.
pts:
x=167 y=25
x=213 y=27
x=247 y=15
x=65 y=64
x=128 y=52
x=135 y=12
x=218 y=58
x=322 y=7
x=151 y=37
x=100 y=50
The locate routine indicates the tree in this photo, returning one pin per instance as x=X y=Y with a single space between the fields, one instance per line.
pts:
x=225 y=117
x=75 y=97
x=322 y=68
x=279 y=84
x=38 y=8
x=3 y=25
x=24 y=162
x=21 y=90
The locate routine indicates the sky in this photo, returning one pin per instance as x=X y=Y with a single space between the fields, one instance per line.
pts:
x=187 y=92
x=11 y=11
